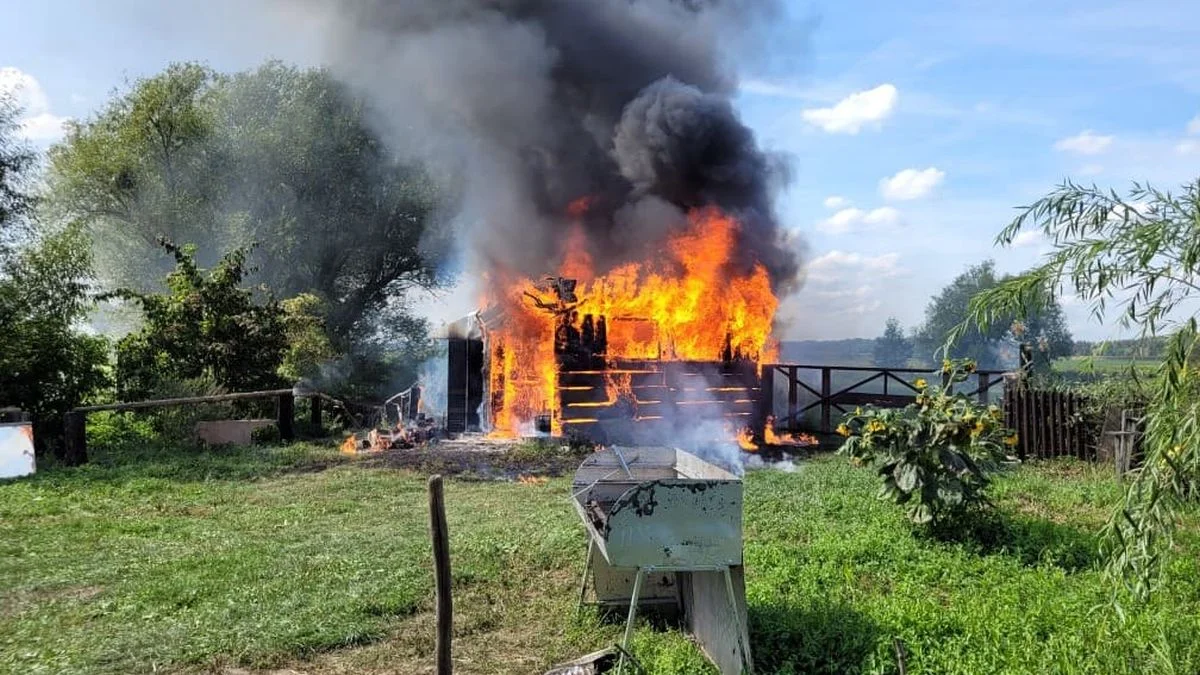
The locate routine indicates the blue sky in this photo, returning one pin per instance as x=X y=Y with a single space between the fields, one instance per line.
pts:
x=914 y=128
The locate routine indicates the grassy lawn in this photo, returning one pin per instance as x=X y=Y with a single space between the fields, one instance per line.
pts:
x=252 y=559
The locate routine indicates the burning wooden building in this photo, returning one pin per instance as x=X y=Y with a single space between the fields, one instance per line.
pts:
x=648 y=351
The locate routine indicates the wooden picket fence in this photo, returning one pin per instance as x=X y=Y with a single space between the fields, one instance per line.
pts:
x=1049 y=423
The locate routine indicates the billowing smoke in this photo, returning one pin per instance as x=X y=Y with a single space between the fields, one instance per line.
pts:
x=527 y=105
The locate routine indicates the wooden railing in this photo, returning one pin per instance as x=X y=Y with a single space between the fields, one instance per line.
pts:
x=897 y=391
x=75 y=421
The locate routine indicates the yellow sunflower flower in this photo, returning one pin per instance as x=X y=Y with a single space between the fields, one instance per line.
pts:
x=920 y=383
x=843 y=430
x=875 y=425
x=1011 y=441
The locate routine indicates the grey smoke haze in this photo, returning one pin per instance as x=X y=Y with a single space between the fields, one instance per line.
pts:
x=525 y=106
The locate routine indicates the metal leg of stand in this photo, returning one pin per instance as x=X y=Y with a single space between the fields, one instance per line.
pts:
x=737 y=622
x=587 y=568
x=633 y=603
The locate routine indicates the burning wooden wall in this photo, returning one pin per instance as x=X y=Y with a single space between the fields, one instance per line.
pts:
x=663 y=344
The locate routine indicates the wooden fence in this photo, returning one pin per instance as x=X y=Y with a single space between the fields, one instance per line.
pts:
x=1049 y=423
x=882 y=387
x=75 y=421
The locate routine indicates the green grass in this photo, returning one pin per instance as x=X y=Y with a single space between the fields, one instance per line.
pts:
x=1102 y=365
x=294 y=557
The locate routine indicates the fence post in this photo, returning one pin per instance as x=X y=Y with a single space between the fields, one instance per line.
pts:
x=441 y=573
x=286 y=412
x=826 y=406
x=314 y=412
x=74 y=438
x=793 y=397
x=985 y=385
x=766 y=396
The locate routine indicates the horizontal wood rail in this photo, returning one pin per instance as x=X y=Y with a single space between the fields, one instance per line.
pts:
x=75 y=421
x=847 y=398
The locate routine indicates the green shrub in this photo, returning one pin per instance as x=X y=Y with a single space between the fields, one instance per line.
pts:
x=206 y=326
x=267 y=435
x=114 y=431
x=177 y=424
x=935 y=455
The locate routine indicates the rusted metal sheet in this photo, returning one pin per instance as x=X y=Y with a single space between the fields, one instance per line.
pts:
x=666 y=526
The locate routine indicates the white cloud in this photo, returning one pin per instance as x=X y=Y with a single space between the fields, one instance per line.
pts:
x=1193 y=127
x=884 y=215
x=1188 y=147
x=1028 y=238
x=837 y=265
x=37 y=122
x=850 y=114
x=911 y=183
x=769 y=88
x=850 y=219
x=842 y=221
x=1086 y=142
x=836 y=202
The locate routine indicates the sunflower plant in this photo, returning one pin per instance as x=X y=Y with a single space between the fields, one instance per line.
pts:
x=935 y=455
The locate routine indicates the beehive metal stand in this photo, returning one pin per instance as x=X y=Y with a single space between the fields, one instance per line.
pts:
x=665 y=515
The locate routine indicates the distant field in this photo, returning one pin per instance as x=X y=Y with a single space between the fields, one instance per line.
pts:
x=1101 y=365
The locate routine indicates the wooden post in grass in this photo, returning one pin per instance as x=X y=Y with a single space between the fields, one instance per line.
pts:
x=286 y=409
x=74 y=438
x=315 y=404
x=441 y=573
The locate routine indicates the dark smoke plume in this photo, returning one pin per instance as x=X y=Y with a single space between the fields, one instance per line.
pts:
x=527 y=105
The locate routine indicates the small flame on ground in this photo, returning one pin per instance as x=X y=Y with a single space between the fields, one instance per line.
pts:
x=528 y=479
x=350 y=445
x=745 y=440
x=773 y=438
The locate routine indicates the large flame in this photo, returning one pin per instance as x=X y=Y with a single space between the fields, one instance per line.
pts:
x=686 y=301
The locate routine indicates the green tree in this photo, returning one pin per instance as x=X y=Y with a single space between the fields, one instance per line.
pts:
x=16 y=162
x=47 y=367
x=206 y=326
x=308 y=345
x=142 y=170
x=279 y=157
x=1138 y=258
x=892 y=349
x=993 y=346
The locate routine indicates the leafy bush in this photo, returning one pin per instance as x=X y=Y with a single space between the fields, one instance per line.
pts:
x=177 y=424
x=207 y=326
x=308 y=343
x=934 y=455
x=112 y=432
x=265 y=435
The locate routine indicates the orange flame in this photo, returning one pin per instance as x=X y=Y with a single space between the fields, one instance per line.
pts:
x=349 y=446
x=745 y=439
x=692 y=300
x=529 y=479
x=773 y=438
